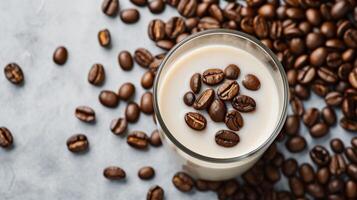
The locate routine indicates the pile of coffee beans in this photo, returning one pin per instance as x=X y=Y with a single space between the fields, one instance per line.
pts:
x=228 y=91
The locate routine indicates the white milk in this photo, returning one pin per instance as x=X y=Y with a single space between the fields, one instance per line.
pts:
x=258 y=125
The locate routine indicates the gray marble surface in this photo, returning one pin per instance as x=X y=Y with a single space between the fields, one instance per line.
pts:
x=40 y=113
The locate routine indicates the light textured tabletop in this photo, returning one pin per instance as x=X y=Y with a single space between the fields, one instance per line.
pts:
x=40 y=114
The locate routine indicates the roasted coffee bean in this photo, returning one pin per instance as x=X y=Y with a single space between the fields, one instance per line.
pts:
x=146 y=103
x=351 y=154
x=77 y=143
x=126 y=91
x=187 y=8
x=125 y=60
x=204 y=100
x=292 y=76
x=215 y=11
x=195 y=120
x=110 y=7
x=165 y=44
x=189 y=98
x=306 y=75
x=155 y=193
x=333 y=60
x=118 y=126
x=335 y=44
x=339 y=9
x=108 y=98
x=307 y=173
x=352 y=171
x=302 y=92
x=228 y=189
x=337 y=145
x=195 y=83
x=296 y=186
x=191 y=23
x=267 y=11
x=311 y=116
x=318 y=56
x=132 y=112
x=104 y=38
x=212 y=76
x=155 y=139
x=114 y=173
x=319 y=155
x=85 y=113
x=334 y=186
x=234 y=120
x=315 y=190
x=329 y=116
x=183 y=181
x=348 y=55
x=147 y=80
x=320 y=89
x=296 y=144
x=6 y=139
x=296 y=46
x=228 y=90
x=350 y=38
x=351 y=189
x=96 y=74
x=247 y=25
x=138 y=140
x=337 y=165
x=327 y=75
x=323 y=175
x=157 y=6
x=13 y=73
x=292 y=125
x=146 y=173
x=139 y=2
x=313 y=41
x=347 y=124
x=130 y=15
x=181 y=37
x=60 y=55
x=232 y=71
x=289 y=167
x=352 y=78
x=156 y=30
x=272 y=173
x=226 y=138
x=333 y=99
x=232 y=11
x=251 y=82
x=260 y=26
x=217 y=110
x=313 y=16
x=202 y=9
x=143 y=57
x=319 y=130
x=174 y=27
x=297 y=106
x=243 y=103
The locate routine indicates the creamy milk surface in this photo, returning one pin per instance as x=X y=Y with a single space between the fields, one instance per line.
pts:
x=258 y=125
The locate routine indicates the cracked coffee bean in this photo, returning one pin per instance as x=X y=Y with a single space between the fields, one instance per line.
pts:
x=212 y=76
x=6 y=139
x=13 y=73
x=78 y=143
x=118 y=126
x=243 y=103
x=138 y=140
x=114 y=173
x=174 y=27
x=143 y=57
x=85 y=114
x=156 y=30
x=96 y=75
x=146 y=173
x=183 y=182
x=226 y=138
x=217 y=110
x=234 y=120
x=195 y=120
x=60 y=55
x=110 y=7
x=104 y=38
x=204 y=100
x=228 y=90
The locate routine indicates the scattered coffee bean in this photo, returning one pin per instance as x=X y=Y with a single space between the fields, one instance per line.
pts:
x=289 y=167
x=13 y=73
x=351 y=189
x=297 y=107
x=6 y=139
x=138 y=140
x=243 y=103
x=139 y=2
x=108 y=98
x=323 y=175
x=165 y=44
x=351 y=154
x=189 y=98
x=183 y=181
x=204 y=100
x=126 y=91
x=174 y=27
x=147 y=80
x=85 y=113
x=296 y=144
x=311 y=117
x=226 y=138
x=110 y=7
x=195 y=120
x=307 y=173
x=155 y=193
x=319 y=130
x=104 y=38
x=320 y=155
x=232 y=71
x=157 y=6
x=337 y=145
x=352 y=171
x=156 y=30
x=143 y=57
x=155 y=139
x=315 y=190
x=292 y=125
x=212 y=76
x=347 y=124
x=130 y=15
x=132 y=112
x=195 y=83
x=114 y=173
x=354 y=142
x=60 y=55
x=228 y=90
x=78 y=143
x=329 y=116
x=96 y=75
x=217 y=110
x=234 y=120
x=296 y=186
x=146 y=103
x=187 y=8
x=118 y=126
x=146 y=173
x=125 y=60
x=337 y=165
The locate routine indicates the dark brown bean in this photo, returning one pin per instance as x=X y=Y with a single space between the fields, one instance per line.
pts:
x=319 y=130
x=232 y=71
x=189 y=98
x=126 y=91
x=118 y=126
x=320 y=155
x=155 y=193
x=296 y=144
x=85 y=113
x=195 y=120
x=307 y=173
x=114 y=173
x=315 y=190
x=156 y=30
x=104 y=38
x=311 y=117
x=292 y=125
x=130 y=15
x=260 y=26
x=234 y=120
x=146 y=103
x=306 y=75
x=78 y=143
x=108 y=98
x=329 y=116
x=204 y=100
x=289 y=167
x=125 y=60
x=60 y=55
x=147 y=80
x=339 y=9
x=226 y=138
x=13 y=73
x=195 y=83
x=187 y=8
x=132 y=112
x=174 y=27
x=217 y=110
x=351 y=189
x=96 y=75
x=323 y=175
x=183 y=181
x=110 y=7
x=318 y=56
x=155 y=139
x=337 y=145
x=333 y=99
x=243 y=103
x=138 y=140
x=296 y=186
x=146 y=173
x=228 y=90
x=347 y=124
x=251 y=82
x=351 y=154
x=139 y=2
x=6 y=138
x=337 y=165
x=212 y=76
x=157 y=6
x=143 y=57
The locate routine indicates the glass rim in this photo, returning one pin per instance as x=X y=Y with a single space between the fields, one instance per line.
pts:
x=271 y=56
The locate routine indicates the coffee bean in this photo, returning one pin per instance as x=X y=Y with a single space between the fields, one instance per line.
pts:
x=118 y=126
x=155 y=139
x=108 y=98
x=202 y=9
x=195 y=120
x=306 y=75
x=333 y=99
x=226 y=138
x=232 y=71
x=272 y=173
x=85 y=113
x=296 y=144
x=155 y=193
x=130 y=15
x=234 y=120
x=143 y=57
x=351 y=189
x=110 y=7
x=307 y=173
x=352 y=171
x=296 y=186
x=292 y=125
x=146 y=173
x=347 y=124
x=13 y=73
x=232 y=11
x=181 y=37
x=187 y=8
x=315 y=190
x=212 y=76
x=335 y=185
x=60 y=55
x=139 y=2
x=337 y=145
x=327 y=75
x=104 y=38
x=319 y=130
x=333 y=60
x=195 y=83
x=125 y=60
x=174 y=27
x=138 y=140
x=165 y=44
x=292 y=77
x=352 y=78
x=132 y=112
x=351 y=154
x=228 y=90
x=147 y=80
x=146 y=103
x=354 y=142
x=216 y=12
x=267 y=11
x=295 y=13
x=318 y=56
x=78 y=143
x=313 y=16
x=183 y=181
x=126 y=91
x=96 y=74
x=337 y=165
x=217 y=110
x=156 y=30
x=320 y=155
x=329 y=116
x=157 y=6
x=204 y=100
x=228 y=189
x=260 y=26
x=302 y=92
x=311 y=117
x=289 y=167
x=320 y=89
x=339 y=9
x=297 y=106
x=323 y=175
x=243 y=103
x=348 y=55
x=6 y=139
x=114 y=173
x=350 y=38
x=189 y=98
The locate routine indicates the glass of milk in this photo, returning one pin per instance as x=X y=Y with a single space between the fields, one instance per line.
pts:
x=197 y=151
